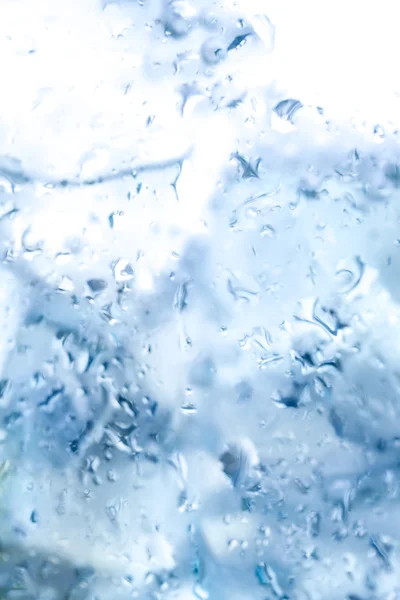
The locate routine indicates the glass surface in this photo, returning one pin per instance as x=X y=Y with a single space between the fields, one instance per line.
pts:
x=199 y=300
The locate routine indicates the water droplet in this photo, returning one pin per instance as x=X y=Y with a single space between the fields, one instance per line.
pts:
x=238 y=460
x=392 y=172
x=188 y=408
x=286 y=109
x=4 y=469
x=34 y=516
x=180 y=300
x=264 y=30
x=283 y=115
x=349 y=275
x=314 y=524
x=327 y=317
x=4 y=387
x=115 y=219
x=249 y=168
x=30 y=241
x=180 y=17
x=238 y=42
x=97 y=286
x=66 y=285
x=267 y=231
x=122 y=270
x=240 y=293
x=267 y=577
x=379 y=132
x=81 y=360
x=212 y=52
x=6 y=186
x=382 y=549
x=62 y=258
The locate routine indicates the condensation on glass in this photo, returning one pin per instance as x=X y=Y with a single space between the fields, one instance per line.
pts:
x=199 y=393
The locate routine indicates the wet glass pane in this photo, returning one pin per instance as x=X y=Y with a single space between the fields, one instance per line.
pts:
x=199 y=300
